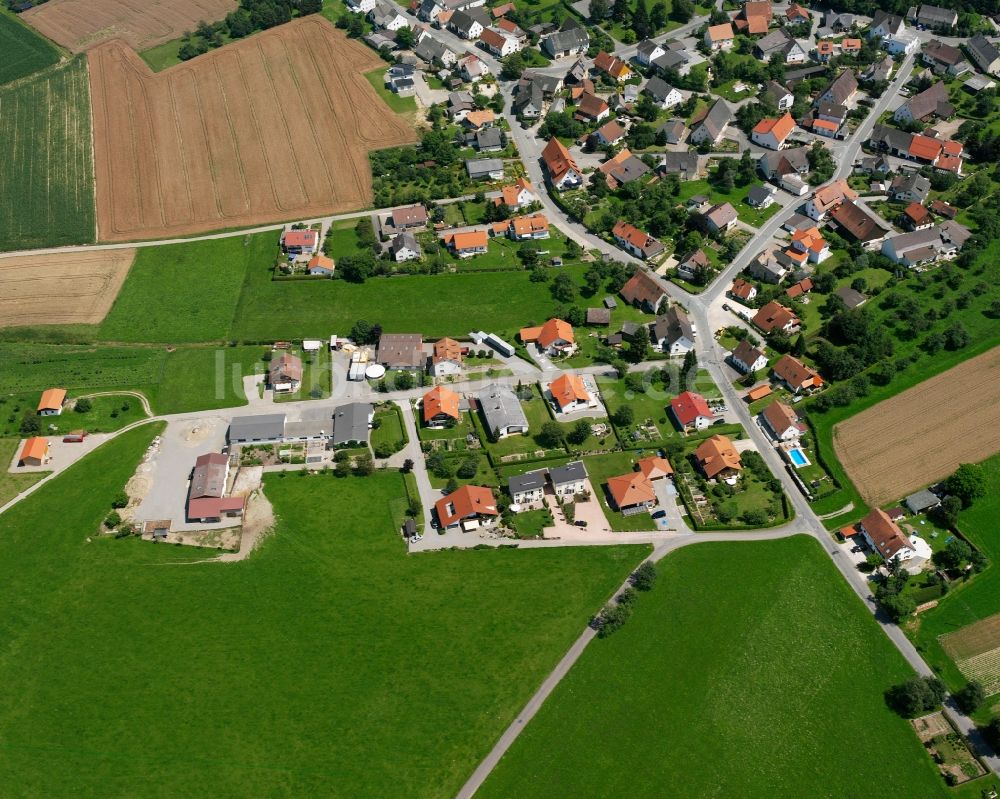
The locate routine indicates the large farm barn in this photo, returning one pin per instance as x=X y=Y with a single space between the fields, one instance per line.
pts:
x=270 y=128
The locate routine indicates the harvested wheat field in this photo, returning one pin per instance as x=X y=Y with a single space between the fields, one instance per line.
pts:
x=274 y=127
x=61 y=288
x=80 y=24
x=976 y=651
x=924 y=433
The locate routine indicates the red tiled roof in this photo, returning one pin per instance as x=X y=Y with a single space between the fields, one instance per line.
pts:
x=780 y=127
x=630 y=489
x=35 y=448
x=716 y=455
x=567 y=389
x=773 y=316
x=655 y=467
x=441 y=400
x=465 y=502
x=925 y=147
x=795 y=373
x=52 y=399
x=688 y=406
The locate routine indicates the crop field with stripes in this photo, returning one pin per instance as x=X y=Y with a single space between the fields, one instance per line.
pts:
x=47 y=171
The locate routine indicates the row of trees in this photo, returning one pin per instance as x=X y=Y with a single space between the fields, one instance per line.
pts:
x=251 y=16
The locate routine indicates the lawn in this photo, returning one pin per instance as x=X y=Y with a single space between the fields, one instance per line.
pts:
x=196 y=378
x=401 y=105
x=342 y=240
x=737 y=196
x=189 y=292
x=13 y=484
x=493 y=301
x=389 y=431
x=311 y=691
x=166 y=55
x=978 y=599
x=720 y=685
x=651 y=404
x=31 y=368
x=47 y=174
x=24 y=51
x=531 y=523
x=106 y=414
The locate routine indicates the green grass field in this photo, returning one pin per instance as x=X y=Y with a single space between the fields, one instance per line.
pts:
x=24 y=51
x=978 y=599
x=106 y=414
x=47 y=173
x=13 y=484
x=401 y=105
x=750 y=670
x=199 y=378
x=29 y=368
x=308 y=669
x=390 y=431
x=187 y=292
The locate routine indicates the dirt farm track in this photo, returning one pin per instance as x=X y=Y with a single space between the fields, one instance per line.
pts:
x=80 y=24
x=61 y=288
x=924 y=433
x=274 y=127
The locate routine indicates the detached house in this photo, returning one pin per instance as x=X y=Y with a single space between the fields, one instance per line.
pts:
x=711 y=124
x=469 y=24
x=612 y=66
x=51 y=402
x=984 y=53
x=469 y=507
x=555 y=337
x=648 y=51
x=673 y=332
x=501 y=411
x=720 y=218
x=796 y=375
x=775 y=316
x=405 y=247
x=206 y=493
x=720 y=37
x=634 y=241
x=467 y=244
x=779 y=95
x=746 y=358
x=518 y=195
x=772 y=133
x=562 y=170
x=644 y=291
x=883 y=535
x=931 y=102
x=631 y=493
x=569 y=393
x=742 y=290
x=440 y=406
x=300 y=242
x=718 y=459
x=694 y=264
x=841 y=90
x=782 y=422
x=691 y=411
x=662 y=93
x=446 y=358
x=828 y=197
x=569 y=41
x=944 y=58
x=285 y=373
x=780 y=42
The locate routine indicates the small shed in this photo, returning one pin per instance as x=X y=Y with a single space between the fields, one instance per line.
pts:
x=921 y=501
x=610 y=303
x=598 y=316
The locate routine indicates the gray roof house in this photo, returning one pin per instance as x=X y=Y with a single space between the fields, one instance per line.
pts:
x=352 y=422
x=432 y=51
x=484 y=168
x=921 y=501
x=931 y=101
x=405 y=247
x=935 y=16
x=984 y=53
x=778 y=163
x=909 y=187
x=673 y=332
x=262 y=427
x=683 y=164
x=489 y=140
x=673 y=130
x=570 y=41
x=502 y=411
x=673 y=60
x=569 y=478
x=780 y=41
x=712 y=125
x=841 y=89
x=527 y=488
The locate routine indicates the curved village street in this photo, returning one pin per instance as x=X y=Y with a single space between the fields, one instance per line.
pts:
x=710 y=357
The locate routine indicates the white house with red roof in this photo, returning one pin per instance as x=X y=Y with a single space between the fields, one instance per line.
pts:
x=691 y=411
x=772 y=133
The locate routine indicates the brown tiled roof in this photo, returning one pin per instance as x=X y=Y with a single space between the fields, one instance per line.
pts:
x=794 y=372
x=774 y=316
x=716 y=455
x=884 y=533
x=780 y=417
x=643 y=288
x=465 y=502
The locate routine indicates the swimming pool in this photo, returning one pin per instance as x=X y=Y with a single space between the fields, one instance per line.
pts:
x=798 y=457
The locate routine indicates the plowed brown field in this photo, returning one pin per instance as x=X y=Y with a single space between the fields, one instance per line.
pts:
x=61 y=289
x=924 y=433
x=274 y=127
x=80 y=24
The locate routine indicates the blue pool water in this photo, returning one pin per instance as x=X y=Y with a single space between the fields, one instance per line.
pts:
x=798 y=457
